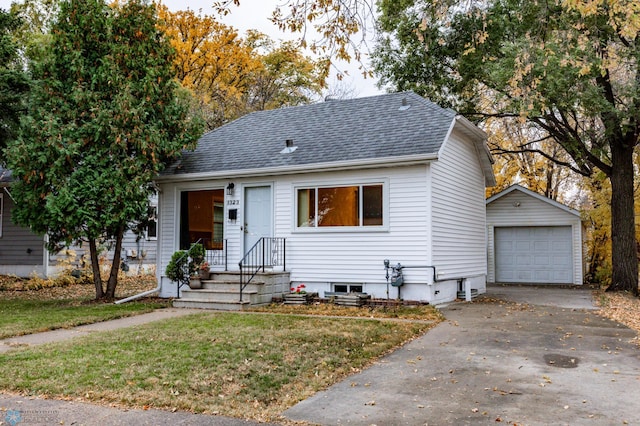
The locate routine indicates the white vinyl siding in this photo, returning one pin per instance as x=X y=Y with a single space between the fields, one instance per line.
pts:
x=458 y=211
x=344 y=256
x=168 y=228
x=519 y=209
x=356 y=256
x=322 y=258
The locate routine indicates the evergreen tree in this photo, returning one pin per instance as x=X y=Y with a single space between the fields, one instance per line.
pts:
x=105 y=117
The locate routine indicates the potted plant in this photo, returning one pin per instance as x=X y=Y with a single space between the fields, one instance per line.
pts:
x=298 y=296
x=203 y=270
x=185 y=265
x=196 y=260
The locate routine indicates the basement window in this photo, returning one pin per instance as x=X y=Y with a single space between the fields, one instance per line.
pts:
x=347 y=288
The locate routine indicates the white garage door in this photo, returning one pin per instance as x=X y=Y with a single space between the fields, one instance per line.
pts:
x=536 y=254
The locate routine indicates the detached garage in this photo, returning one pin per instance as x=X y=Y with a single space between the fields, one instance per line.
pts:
x=533 y=239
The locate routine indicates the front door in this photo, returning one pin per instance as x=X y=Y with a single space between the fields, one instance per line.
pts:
x=258 y=220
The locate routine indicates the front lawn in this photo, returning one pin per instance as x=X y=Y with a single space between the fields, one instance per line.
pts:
x=246 y=365
x=25 y=311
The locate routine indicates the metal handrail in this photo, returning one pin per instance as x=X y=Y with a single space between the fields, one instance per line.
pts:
x=186 y=276
x=267 y=251
x=218 y=256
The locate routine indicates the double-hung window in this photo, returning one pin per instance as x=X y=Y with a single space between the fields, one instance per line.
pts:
x=152 y=224
x=340 y=206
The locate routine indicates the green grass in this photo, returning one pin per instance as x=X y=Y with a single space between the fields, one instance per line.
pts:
x=25 y=316
x=242 y=365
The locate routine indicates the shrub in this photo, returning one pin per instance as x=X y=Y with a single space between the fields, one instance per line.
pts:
x=176 y=268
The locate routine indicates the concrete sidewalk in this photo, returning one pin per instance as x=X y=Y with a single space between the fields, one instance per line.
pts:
x=19 y=411
x=70 y=333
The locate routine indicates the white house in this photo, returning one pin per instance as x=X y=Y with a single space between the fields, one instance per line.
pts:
x=533 y=239
x=346 y=184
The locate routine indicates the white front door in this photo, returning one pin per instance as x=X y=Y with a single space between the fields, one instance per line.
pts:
x=258 y=217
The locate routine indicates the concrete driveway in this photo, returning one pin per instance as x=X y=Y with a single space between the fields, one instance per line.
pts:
x=552 y=361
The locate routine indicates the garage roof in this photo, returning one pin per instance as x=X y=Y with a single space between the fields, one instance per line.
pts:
x=526 y=191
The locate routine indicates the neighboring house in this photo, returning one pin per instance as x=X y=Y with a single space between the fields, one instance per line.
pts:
x=533 y=239
x=23 y=253
x=347 y=184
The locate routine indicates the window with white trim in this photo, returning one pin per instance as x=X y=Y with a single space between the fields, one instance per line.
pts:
x=340 y=206
x=347 y=288
x=1 y=211
x=152 y=223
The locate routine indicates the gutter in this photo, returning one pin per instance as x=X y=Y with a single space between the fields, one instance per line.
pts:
x=138 y=296
x=406 y=160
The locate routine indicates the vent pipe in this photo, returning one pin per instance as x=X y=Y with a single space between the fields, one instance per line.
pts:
x=288 y=147
x=405 y=105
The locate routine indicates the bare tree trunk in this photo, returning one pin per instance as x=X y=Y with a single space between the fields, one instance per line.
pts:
x=115 y=266
x=95 y=268
x=624 y=254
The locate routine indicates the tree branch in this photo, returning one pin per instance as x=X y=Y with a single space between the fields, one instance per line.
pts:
x=549 y=157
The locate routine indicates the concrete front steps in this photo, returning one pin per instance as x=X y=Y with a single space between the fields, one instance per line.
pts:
x=222 y=291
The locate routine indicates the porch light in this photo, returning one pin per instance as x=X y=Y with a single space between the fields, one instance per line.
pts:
x=230 y=188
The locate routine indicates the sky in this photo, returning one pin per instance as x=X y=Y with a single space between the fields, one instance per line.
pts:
x=254 y=14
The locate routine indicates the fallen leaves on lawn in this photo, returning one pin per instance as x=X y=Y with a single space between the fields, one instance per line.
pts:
x=12 y=287
x=621 y=307
x=417 y=312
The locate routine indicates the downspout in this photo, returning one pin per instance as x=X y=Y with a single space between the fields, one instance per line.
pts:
x=138 y=296
x=45 y=256
x=8 y=193
x=467 y=283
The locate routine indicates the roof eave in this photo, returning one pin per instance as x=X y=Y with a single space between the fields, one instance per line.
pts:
x=406 y=160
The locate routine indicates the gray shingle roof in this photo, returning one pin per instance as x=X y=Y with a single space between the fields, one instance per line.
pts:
x=331 y=131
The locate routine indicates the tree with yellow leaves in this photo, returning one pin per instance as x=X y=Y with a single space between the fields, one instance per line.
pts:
x=212 y=61
x=537 y=173
x=568 y=69
x=231 y=75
